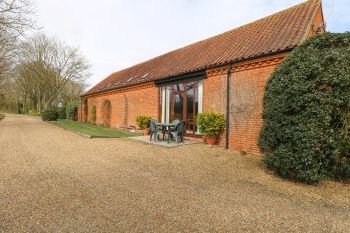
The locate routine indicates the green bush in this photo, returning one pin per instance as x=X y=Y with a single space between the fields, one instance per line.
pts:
x=210 y=123
x=143 y=121
x=50 y=115
x=306 y=114
x=62 y=113
x=71 y=110
x=93 y=115
x=33 y=112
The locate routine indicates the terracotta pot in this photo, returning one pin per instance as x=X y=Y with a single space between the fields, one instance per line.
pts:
x=146 y=132
x=211 y=140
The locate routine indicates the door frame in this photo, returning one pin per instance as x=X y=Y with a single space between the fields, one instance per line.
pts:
x=166 y=105
x=173 y=92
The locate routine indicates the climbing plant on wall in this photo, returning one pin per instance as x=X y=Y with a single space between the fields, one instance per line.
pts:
x=106 y=113
x=86 y=110
x=93 y=115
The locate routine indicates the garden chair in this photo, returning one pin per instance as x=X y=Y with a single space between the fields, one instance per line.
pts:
x=154 y=130
x=175 y=122
x=178 y=131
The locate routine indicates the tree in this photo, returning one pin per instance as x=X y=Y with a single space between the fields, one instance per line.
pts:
x=49 y=72
x=15 y=21
x=306 y=133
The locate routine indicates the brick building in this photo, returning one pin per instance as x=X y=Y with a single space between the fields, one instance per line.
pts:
x=192 y=79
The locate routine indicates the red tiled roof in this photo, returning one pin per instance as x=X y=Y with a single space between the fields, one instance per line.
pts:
x=278 y=32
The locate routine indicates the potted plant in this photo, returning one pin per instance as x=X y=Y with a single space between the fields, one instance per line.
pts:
x=143 y=123
x=210 y=125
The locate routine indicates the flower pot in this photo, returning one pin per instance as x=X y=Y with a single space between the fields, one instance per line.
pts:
x=146 y=132
x=211 y=140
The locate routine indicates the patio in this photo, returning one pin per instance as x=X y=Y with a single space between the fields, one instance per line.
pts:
x=164 y=143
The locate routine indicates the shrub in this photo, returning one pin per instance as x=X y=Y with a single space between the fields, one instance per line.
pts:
x=62 y=112
x=143 y=121
x=106 y=113
x=33 y=112
x=93 y=115
x=85 y=109
x=50 y=115
x=210 y=123
x=71 y=110
x=306 y=114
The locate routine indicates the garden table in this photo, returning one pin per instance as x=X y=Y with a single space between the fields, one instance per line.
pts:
x=165 y=128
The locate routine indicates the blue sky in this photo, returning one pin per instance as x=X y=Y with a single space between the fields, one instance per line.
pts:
x=115 y=34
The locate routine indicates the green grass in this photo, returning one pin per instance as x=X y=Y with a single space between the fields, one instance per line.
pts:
x=93 y=130
x=33 y=113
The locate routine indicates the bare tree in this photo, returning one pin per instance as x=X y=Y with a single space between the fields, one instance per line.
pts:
x=49 y=71
x=15 y=21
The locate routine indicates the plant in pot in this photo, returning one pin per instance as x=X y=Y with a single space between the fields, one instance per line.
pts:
x=210 y=125
x=143 y=123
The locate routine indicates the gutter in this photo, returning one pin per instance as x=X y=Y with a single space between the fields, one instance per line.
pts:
x=185 y=76
x=228 y=105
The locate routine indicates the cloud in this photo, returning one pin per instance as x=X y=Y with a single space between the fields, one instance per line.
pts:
x=116 y=34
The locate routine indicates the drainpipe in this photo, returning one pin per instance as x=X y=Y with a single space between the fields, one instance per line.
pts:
x=228 y=105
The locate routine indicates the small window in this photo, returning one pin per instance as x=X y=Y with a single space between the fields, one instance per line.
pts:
x=144 y=76
x=129 y=79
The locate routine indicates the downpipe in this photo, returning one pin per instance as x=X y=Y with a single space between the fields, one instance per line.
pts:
x=228 y=105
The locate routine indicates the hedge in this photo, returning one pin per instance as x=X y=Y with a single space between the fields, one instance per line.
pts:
x=306 y=114
x=50 y=115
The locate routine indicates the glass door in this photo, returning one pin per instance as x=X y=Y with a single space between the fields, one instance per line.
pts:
x=184 y=104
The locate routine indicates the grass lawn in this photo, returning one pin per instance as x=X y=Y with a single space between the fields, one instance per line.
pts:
x=93 y=130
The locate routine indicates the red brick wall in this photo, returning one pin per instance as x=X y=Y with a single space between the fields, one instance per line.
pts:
x=318 y=20
x=127 y=104
x=247 y=86
x=244 y=128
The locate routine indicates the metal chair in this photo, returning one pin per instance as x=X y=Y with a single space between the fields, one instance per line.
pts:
x=178 y=131
x=154 y=131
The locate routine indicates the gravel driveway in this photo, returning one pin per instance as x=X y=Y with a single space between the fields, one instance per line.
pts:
x=52 y=180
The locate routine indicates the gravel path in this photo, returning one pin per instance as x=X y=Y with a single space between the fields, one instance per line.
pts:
x=52 y=180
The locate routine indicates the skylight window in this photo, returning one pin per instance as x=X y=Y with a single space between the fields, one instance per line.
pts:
x=144 y=76
x=129 y=79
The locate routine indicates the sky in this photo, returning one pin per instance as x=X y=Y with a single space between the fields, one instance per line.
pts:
x=116 y=34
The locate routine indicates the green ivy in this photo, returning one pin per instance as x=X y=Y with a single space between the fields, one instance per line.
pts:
x=306 y=114
x=93 y=115
x=71 y=108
